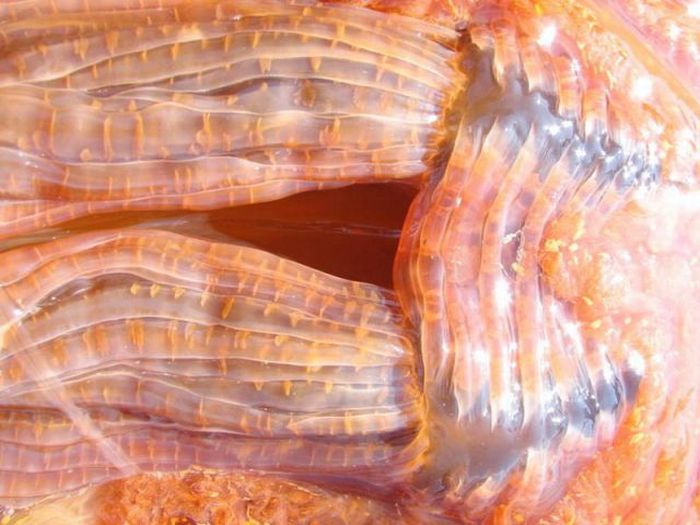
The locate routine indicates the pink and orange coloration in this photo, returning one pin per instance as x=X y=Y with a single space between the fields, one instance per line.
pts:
x=536 y=361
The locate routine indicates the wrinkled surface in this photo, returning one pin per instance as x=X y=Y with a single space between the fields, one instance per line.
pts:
x=536 y=360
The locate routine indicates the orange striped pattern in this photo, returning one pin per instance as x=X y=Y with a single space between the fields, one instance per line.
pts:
x=147 y=350
x=181 y=106
x=536 y=363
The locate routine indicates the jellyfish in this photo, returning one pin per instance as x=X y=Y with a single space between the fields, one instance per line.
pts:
x=170 y=352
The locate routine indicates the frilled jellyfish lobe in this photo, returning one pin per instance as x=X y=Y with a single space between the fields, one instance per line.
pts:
x=209 y=105
x=547 y=271
x=529 y=298
x=145 y=350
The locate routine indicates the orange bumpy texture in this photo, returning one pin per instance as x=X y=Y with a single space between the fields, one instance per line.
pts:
x=536 y=360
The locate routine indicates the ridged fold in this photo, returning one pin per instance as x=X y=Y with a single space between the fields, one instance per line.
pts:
x=536 y=363
x=146 y=350
x=514 y=270
x=181 y=106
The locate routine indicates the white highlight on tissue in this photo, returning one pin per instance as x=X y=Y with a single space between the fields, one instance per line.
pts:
x=694 y=9
x=547 y=36
x=642 y=88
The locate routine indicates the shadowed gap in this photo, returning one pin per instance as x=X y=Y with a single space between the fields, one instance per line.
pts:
x=350 y=232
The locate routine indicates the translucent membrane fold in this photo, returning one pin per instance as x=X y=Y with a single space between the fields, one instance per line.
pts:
x=544 y=370
x=145 y=350
x=526 y=295
x=181 y=106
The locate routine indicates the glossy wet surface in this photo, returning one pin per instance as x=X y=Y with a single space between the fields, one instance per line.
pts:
x=426 y=268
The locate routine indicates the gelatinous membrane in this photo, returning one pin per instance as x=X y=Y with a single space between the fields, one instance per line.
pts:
x=143 y=349
x=540 y=367
x=516 y=268
x=257 y=102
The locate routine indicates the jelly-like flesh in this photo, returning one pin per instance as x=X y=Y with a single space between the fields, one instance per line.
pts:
x=199 y=206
